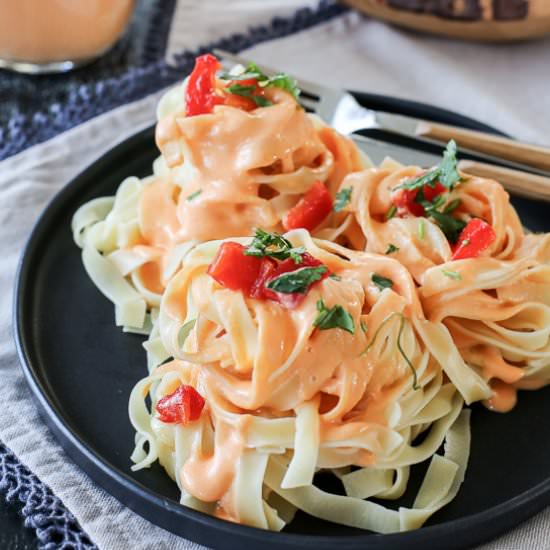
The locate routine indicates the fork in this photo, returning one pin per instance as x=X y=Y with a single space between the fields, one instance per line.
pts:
x=343 y=112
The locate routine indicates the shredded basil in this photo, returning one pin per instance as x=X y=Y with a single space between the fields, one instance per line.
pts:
x=275 y=246
x=452 y=274
x=452 y=206
x=250 y=93
x=297 y=282
x=391 y=249
x=391 y=212
x=421 y=229
x=252 y=71
x=343 y=197
x=445 y=173
x=364 y=327
x=335 y=277
x=335 y=317
x=381 y=282
x=194 y=195
x=399 y=346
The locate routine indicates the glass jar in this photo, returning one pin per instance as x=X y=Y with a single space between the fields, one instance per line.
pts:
x=45 y=36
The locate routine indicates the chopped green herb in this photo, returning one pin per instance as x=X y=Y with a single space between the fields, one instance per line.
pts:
x=391 y=249
x=465 y=242
x=335 y=277
x=274 y=246
x=194 y=195
x=452 y=206
x=399 y=346
x=335 y=317
x=343 y=198
x=448 y=169
x=364 y=327
x=391 y=212
x=450 y=226
x=421 y=229
x=381 y=282
x=252 y=71
x=297 y=282
x=445 y=173
x=250 y=93
x=452 y=274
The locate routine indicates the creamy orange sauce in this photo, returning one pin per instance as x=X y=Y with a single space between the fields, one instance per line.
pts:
x=208 y=478
x=504 y=397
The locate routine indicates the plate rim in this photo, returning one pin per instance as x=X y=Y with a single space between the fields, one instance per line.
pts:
x=119 y=483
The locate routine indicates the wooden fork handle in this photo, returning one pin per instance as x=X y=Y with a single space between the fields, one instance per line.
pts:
x=519 y=183
x=532 y=155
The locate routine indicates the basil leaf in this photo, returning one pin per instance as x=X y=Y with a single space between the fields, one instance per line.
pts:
x=391 y=212
x=284 y=82
x=275 y=246
x=343 y=198
x=250 y=93
x=335 y=317
x=297 y=282
x=391 y=249
x=448 y=169
x=452 y=274
x=452 y=206
x=450 y=226
x=194 y=195
x=446 y=172
x=381 y=282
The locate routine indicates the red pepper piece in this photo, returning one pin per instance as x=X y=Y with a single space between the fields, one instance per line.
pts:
x=405 y=199
x=311 y=210
x=288 y=301
x=182 y=406
x=476 y=237
x=233 y=269
x=200 y=96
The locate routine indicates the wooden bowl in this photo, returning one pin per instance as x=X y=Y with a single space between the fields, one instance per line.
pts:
x=485 y=20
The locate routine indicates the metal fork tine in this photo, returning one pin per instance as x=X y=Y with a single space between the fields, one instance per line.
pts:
x=309 y=89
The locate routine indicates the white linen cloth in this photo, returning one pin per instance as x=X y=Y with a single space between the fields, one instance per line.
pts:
x=506 y=86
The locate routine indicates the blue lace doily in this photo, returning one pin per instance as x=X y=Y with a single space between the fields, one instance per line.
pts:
x=35 y=109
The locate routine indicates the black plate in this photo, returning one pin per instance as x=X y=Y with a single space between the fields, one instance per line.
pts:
x=81 y=369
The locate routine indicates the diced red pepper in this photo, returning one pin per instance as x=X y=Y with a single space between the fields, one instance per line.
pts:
x=182 y=406
x=200 y=96
x=405 y=199
x=311 y=210
x=233 y=269
x=289 y=301
x=476 y=237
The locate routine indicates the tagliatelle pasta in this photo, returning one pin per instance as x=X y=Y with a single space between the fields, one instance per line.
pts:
x=309 y=314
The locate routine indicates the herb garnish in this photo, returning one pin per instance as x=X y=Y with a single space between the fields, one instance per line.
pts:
x=335 y=317
x=452 y=274
x=273 y=245
x=194 y=195
x=252 y=71
x=391 y=212
x=399 y=347
x=297 y=282
x=391 y=249
x=421 y=229
x=452 y=206
x=335 y=277
x=250 y=93
x=445 y=173
x=381 y=282
x=363 y=326
x=343 y=198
